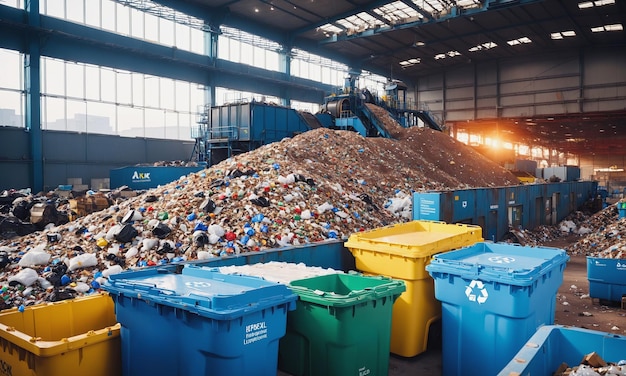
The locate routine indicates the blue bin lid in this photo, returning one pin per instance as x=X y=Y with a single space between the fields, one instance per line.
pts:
x=201 y=290
x=499 y=262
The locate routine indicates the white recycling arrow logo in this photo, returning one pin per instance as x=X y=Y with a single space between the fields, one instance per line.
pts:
x=481 y=297
x=501 y=259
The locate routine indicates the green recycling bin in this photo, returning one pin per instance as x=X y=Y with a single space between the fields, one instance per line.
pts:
x=341 y=326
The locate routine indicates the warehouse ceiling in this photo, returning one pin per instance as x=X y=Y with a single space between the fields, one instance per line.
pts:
x=419 y=37
x=413 y=38
x=589 y=134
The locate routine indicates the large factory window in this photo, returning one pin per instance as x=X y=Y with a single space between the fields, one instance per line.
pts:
x=245 y=48
x=227 y=96
x=11 y=92
x=155 y=23
x=14 y=3
x=314 y=67
x=78 y=97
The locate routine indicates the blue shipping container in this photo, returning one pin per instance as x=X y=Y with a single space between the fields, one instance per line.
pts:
x=199 y=322
x=552 y=345
x=607 y=278
x=494 y=297
x=146 y=177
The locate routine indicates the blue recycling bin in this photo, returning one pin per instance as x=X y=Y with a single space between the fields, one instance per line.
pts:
x=197 y=321
x=494 y=297
x=553 y=345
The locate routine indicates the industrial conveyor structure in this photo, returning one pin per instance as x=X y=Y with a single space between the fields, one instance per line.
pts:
x=224 y=131
x=349 y=110
x=227 y=130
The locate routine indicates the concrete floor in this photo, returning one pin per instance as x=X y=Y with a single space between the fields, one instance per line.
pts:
x=427 y=363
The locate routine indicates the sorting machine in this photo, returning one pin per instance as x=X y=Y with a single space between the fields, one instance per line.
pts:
x=237 y=128
x=349 y=110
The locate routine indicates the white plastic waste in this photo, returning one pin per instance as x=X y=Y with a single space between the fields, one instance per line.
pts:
x=216 y=230
x=81 y=287
x=83 y=261
x=113 y=269
x=280 y=272
x=114 y=230
x=26 y=277
x=35 y=256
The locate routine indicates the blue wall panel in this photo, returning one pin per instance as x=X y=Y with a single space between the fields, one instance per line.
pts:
x=495 y=209
x=85 y=156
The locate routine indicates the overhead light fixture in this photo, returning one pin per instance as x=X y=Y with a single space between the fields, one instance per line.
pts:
x=613 y=27
x=522 y=40
x=563 y=34
x=483 y=46
x=598 y=3
x=418 y=43
x=410 y=62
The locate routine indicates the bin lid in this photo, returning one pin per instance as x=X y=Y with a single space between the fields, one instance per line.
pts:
x=499 y=262
x=414 y=239
x=201 y=290
x=345 y=290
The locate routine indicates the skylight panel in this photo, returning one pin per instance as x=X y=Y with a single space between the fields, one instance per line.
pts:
x=360 y=22
x=431 y=6
x=329 y=29
x=483 y=46
x=563 y=34
x=613 y=27
x=397 y=12
x=467 y=4
x=522 y=40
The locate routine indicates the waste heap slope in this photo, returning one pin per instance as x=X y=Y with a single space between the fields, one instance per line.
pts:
x=319 y=185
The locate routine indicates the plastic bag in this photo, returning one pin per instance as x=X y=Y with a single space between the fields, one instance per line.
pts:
x=36 y=256
x=83 y=261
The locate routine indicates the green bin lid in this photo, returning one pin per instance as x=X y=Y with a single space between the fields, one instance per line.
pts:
x=344 y=290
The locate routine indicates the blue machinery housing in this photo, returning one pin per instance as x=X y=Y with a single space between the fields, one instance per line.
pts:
x=237 y=128
x=497 y=210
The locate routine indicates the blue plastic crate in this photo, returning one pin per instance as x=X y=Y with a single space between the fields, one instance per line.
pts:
x=199 y=322
x=552 y=345
x=494 y=297
x=607 y=278
x=328 y=254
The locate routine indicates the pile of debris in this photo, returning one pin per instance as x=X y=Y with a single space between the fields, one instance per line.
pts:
x=319 y=185
x=578 y=224
x=607 y=237
x=602 y=234
x=592 y=364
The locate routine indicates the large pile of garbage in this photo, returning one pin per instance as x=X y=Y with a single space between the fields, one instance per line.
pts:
x=606 y=237
x=320 y=185
x=601 y=234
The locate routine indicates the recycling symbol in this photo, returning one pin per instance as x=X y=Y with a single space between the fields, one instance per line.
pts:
x=501 y=259
x=481 y=295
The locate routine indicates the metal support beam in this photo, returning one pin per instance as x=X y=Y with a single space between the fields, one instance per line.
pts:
x=32 y=82
x=455 y=12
